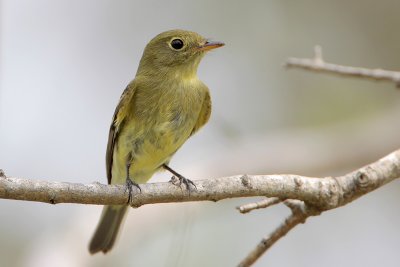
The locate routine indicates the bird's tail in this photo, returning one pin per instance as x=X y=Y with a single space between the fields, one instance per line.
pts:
x=107 y=229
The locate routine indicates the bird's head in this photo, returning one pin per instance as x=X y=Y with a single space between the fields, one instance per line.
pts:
x=175 y=52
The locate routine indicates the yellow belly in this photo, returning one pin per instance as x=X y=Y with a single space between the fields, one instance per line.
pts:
x=147 y=149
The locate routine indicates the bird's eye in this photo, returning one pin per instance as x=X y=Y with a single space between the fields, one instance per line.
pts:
x=177 y=44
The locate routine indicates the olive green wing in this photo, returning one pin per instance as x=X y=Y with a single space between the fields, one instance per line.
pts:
x=118 y=120
x=204 y=115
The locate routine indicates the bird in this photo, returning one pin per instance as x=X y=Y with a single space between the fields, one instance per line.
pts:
x=164 y=105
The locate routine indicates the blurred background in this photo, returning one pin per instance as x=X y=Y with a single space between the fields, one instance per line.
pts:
x=64 y=65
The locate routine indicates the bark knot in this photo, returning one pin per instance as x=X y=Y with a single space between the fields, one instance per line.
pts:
x=245 y=181
x=362 y=179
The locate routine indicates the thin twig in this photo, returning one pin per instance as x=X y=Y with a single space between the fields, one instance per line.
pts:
x=318 y=64
x=265 y=203
x=300 y=212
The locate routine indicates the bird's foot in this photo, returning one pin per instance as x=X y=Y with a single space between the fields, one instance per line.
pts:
x=182 y=179
x=187 y=182
x=129 y=186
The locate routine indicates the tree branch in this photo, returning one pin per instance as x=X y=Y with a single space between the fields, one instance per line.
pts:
x=300 y=212
x=259 y=205
x=319 y=65
x=355 y=183
x=307 y=196
x=324 y=193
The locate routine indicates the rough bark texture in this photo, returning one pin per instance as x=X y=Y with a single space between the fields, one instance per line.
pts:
x=324 y=193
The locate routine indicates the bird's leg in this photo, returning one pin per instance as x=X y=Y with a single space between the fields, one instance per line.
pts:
x=181 y=178
x=129 y=182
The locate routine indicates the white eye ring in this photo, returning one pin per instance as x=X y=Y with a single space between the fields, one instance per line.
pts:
x=176 y=43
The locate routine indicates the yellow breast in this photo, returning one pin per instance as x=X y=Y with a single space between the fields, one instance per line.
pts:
x=161 y=120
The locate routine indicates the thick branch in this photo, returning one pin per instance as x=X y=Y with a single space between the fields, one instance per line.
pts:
x=324 y=193
x=318 y=64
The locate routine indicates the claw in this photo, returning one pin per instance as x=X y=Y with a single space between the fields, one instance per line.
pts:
x=129 y=185
x=182 y=179
x=186 y=182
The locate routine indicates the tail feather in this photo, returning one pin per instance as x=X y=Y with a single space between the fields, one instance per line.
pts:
x=107 y=229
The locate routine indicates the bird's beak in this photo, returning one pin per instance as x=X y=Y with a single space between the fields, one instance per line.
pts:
x=209 y=45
